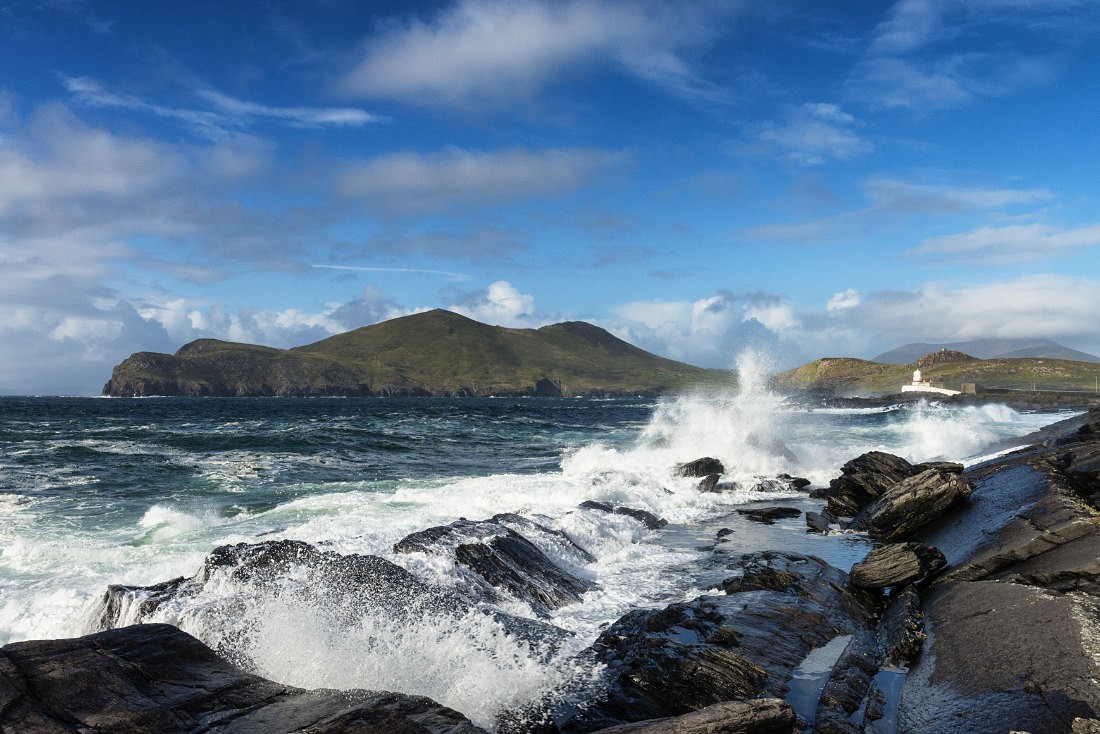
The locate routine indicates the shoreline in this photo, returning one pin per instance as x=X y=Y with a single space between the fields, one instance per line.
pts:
x=1022 y=535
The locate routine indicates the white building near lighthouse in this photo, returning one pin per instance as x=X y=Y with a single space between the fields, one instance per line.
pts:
x=919 y=384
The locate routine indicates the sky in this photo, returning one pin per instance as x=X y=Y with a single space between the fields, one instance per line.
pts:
x=801 y=178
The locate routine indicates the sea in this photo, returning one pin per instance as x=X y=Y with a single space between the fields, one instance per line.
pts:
x=100 y=491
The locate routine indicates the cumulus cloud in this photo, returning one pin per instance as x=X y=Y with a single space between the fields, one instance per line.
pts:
x=814 y=133
x=495 y=51
x=1010 y=244
x=456 y=179
x=502 y=304
x=844 y=300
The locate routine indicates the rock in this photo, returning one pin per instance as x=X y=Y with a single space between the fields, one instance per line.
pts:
x=863 y=480
x=768 y=515
x=645 y=517
x=701 y=467
x=1012 y=625
x=819 y=522
x=339 y=588
x=795 y=482
x=503 y=559
x=155 y=678
x=690 y=655
x=895 y=565
x=850 y=686
x=723 y=532
x=755 y=716
x=709 y=483
x=911 y=504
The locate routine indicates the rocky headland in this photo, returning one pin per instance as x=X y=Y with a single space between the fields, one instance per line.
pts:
x=976 y=610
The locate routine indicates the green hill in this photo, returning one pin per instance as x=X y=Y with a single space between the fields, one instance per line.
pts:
x=850 y=377
x=434 y=353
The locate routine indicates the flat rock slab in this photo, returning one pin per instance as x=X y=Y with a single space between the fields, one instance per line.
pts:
x=155 y=678
x=896 y=564
x=1003 y=657
x=755 y=716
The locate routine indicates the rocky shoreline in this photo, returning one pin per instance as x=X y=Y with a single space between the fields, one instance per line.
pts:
x=978 y=610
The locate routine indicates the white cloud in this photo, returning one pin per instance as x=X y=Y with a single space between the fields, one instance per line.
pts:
x=226 y=117
x=456 y=179
x=773 y=314
x=1011 y=244
x=844 y=300
x=816 y=132
x=502 y=305
x=930 y=54
x=497 y=51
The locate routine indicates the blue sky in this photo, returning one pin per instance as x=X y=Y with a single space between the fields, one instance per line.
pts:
x=813 y=179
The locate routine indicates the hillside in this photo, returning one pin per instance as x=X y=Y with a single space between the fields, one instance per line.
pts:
x=434 y=353
x=851 y=377
x=987 y=349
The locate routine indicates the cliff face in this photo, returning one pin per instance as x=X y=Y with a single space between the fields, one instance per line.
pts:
x=436 y=353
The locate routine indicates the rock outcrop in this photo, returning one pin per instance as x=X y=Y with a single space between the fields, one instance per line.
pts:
x=911 y=504
x=897 y=564
x=155 y=678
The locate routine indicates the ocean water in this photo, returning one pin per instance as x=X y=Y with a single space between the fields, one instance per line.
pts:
x=100 y=491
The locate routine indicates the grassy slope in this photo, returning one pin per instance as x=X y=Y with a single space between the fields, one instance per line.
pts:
x=860 y=377
x=438 y=352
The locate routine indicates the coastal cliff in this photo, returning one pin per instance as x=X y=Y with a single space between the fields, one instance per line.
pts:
x=437 y=353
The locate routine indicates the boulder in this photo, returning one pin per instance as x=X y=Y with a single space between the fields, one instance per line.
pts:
x=155 y=678
x=819 y=522
x=503 y=560
x=660 y=663
x=911 y=504
x=701 y=467
x=709 y=483
x=768 y=515
x=896 y=564
x=863 y=480
x=645 y=517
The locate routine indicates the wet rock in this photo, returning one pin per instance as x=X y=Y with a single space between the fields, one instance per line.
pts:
x=850 y=686
x=339 y=589
x=755 y=716
x=503 y=559
x=912 y=504
x=155 y=678
x=768 y=515
x=795 y=482
x=646 y=518
x=897 y=564
x=819 y=522
x=742 y=645
x=863 y=480
x=723 y=532
x=701 y=467
x=709 y=483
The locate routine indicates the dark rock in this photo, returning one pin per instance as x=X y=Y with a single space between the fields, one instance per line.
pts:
x=690 y=655
x=723 y=532
x=863 y=480
x=896 y=564
x=342 y=588
x=1012 y=625
x=795 y=482
x=850 y=686
x=645 y=517
x=819 y=522
x=503 y=559
x=911 y=504
x=768 y=515
x=755 y=716
x=701 y=467
x=709 y=483
x=155 y=678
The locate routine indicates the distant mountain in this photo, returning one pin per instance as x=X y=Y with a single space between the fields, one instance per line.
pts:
x=434 y=353
x=987 y=349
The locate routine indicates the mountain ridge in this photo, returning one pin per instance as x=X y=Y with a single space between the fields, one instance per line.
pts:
x=434 y=353
x=988 y=348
